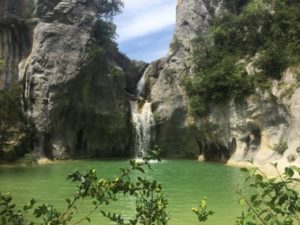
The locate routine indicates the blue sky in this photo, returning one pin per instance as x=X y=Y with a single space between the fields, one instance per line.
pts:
x=145 y=28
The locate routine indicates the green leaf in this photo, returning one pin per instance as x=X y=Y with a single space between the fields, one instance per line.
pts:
x=289 y=172
x=68 y=201
x=253 y=198
x=246 y=170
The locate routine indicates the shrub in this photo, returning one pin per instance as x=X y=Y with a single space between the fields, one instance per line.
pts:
x=175 y=45
x=108 y=8
x=234 y=6
x=272 y=200
x=202 y=212
x=218 y=83
x=291 y=158
x=169 y=74
x=198 y=106
x=281 y=147
x=297 y=76
x=269 y=28
x=298 y=150
x=17 y=132
x=156 y=117
x=11 y=115
x=272 y=62
x=103 y=36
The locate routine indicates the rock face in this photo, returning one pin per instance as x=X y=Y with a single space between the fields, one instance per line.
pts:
x=232 y=130
x=170 y=103
x=77 y=102
x=79 y=106
x=16 y=24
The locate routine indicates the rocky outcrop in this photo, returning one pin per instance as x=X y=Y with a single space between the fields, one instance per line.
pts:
x=233 y=130
x=170 y=103
x=16 y=25
x=76 y=99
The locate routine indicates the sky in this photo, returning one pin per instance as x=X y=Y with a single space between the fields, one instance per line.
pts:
x=145 y=28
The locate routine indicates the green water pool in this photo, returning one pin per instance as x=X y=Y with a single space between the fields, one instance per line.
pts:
x=185 y=182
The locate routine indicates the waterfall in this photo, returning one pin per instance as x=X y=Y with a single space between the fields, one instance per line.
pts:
x=142 y=120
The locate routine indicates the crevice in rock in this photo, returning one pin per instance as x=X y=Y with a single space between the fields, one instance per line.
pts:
x=252 y=140
x=81 y=143
x=216 y=152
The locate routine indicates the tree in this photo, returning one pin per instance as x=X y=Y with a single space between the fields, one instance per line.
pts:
x=104 y=30
x=107 y=9
x=234 y=6
x=11 y=115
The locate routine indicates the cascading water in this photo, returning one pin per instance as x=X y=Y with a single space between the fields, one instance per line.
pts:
x=142 y=120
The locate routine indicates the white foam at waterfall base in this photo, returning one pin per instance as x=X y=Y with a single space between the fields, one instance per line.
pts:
x=142 y=120
x=152 y=161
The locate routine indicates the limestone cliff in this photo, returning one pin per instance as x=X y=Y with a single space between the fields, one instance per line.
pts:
x=170 y=103
x=77 y=101
x=232 y=130
x=16 y=24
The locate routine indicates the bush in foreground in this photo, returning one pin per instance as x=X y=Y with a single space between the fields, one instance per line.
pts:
x=273 y=201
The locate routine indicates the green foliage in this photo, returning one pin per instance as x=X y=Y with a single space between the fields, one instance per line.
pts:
x=104 y=30
x=298 y=150
x=272 y=62
x=175 y=45
x=108 y=8
x=102 y=44
x=216 y=82
x=16 y=131
x=169 y=74
x=266 y=28
x=197 y=106
x=202 y=212
x=10 y=101
x=297 y=76
x=156 y=117
x=291 y=158
x=151 y=205
x=273 y=200
x=234 y=6
x=281 y=147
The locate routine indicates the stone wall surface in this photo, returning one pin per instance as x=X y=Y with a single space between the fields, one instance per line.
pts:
x=235 y=131
x=78 y=104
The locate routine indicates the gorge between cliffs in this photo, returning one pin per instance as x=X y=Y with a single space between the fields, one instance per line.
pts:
x=94 y=137
x=82 y=98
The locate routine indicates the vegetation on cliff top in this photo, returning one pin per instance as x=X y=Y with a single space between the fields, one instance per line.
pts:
x=262 y=32
x=105 y=30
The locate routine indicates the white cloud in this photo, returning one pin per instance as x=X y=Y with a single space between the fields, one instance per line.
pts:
x=148 y=48
x=144 y=17
x=150 y=56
